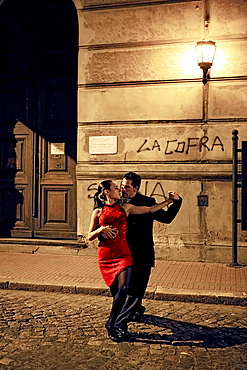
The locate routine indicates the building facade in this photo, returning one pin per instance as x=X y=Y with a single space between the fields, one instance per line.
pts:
x=96 y=88
x=142 y=107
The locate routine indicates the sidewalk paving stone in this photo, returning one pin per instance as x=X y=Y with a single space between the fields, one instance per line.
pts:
x=170 y=280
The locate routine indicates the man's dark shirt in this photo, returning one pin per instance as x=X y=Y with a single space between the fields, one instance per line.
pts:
x=140 y=228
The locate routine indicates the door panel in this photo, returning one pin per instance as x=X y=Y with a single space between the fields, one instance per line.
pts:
x=16 y=142
x=57 y=159
x=16 y=184
x=23 y=180
x=57 y=190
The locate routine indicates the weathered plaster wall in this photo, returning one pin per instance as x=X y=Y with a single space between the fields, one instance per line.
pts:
x=139 y=81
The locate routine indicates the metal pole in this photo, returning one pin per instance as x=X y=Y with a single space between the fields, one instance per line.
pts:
x=234 y=198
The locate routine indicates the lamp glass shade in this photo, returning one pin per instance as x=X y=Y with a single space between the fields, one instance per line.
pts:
x=205 y=51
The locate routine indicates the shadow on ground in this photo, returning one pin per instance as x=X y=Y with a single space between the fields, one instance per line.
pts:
x=179 y=333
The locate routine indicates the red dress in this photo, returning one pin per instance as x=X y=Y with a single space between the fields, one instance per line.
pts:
x=113 y=254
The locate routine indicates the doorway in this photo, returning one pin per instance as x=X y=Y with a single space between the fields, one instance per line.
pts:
x=38 y=118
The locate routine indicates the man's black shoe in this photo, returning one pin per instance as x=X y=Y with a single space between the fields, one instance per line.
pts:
x=139 y=314
x=118 y=335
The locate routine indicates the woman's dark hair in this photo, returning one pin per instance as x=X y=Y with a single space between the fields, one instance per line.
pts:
x=99 y=196
x=136 y=179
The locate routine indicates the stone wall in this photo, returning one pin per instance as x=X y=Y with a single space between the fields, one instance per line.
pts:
x=142 y=107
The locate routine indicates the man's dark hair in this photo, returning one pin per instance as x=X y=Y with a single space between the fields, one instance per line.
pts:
x=136 y=179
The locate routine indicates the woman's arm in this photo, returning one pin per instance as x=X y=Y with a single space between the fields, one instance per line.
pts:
x=94 y=231
x=131 y=209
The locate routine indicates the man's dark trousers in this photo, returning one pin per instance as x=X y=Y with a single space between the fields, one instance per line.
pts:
x=141 y=243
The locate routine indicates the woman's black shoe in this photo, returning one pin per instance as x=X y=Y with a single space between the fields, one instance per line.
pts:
x=108 y=325
x=110 y=329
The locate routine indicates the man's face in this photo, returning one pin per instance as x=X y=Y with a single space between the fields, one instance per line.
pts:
x=128 y=191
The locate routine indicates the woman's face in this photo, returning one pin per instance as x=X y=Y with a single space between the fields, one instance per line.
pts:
x=115 y=192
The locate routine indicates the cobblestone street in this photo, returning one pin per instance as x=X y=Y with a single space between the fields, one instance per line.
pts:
x=42 y=330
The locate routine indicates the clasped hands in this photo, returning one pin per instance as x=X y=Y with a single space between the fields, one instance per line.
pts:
x=109 y=232
x=173 y=195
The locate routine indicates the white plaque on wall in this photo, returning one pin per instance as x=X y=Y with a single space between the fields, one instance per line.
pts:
x=103 y=144
x=57 y=148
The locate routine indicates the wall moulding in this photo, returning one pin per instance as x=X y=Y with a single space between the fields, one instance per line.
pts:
x=184 y=41
x=171 y=177
x=136 y=83
x=157 y=82
x=90 y=5
x=153 y=171
x=134 y=44
x=165 y=122
x=191 y=178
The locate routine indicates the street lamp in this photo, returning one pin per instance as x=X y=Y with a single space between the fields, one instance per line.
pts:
x=205 y=51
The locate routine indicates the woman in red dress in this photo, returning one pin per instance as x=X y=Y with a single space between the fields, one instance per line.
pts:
x=114 y=255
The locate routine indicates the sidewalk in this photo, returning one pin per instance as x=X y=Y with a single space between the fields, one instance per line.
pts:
x=170 y=280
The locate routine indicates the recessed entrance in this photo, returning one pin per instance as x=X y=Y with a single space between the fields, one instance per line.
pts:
x=38 y=118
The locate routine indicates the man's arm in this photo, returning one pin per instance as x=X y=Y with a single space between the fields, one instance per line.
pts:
x=166 y=217
x=138 y=210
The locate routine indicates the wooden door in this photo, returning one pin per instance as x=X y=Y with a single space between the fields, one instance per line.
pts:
x=37 y=160
x=55 y=211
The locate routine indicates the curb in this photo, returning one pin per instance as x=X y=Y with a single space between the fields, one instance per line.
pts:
x=44 y=247
x=158 y=293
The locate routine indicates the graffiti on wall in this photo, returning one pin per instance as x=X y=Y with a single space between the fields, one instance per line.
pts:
x=176 y=146
x=155 y=189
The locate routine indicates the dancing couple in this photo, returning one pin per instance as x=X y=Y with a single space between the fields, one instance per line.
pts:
x=109 y=225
